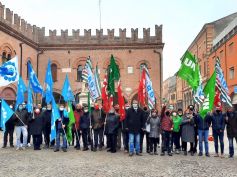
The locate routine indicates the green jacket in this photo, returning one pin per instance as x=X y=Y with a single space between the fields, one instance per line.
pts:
x=177 y=122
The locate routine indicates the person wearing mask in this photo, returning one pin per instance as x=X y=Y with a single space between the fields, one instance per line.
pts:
x=61 y=128
x=180 y=113
x=85 y=127
x=144 y=132
x=112 y=123
x=47 y=125
x=119 y=132
x=166 y=128
x=188 y=131
x=9 y=130
x=97 y=119
x=77 y=115
x=36 y=128
x=134 y=124
x=218 y=128
x=154 y=134
x=124 y=131
x=21 y=122
x=203 y=125
x=231 y=127
x=177 y=120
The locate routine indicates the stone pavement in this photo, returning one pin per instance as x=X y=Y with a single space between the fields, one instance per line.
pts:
x=47 y=163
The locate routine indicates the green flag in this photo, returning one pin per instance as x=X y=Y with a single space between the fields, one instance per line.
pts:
x=209 y=92
x=71 y=122
x=114 y=75
x=189 y=70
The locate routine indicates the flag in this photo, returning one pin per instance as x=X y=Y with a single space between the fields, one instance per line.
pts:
x=142 y=88
x=84 y=71
x=67 y=91
x=6 y=113
x=221 y=84
x=91 y=83
x=97 y=80
x=34 y=82
x=150 y=93
x=104 y=95
x=121 y=102
x=9 y=72
x=49 y=84
x=189 y=70
x=198 y=95
x=71 y=122
x=54 y=116
x=29 y=105
x=114 y=75
x=209 y=92
x=21 y=89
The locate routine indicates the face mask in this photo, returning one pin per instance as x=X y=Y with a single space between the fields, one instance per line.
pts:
x=24 y=106
x=134 y=106
x=49 y=108
x=167 y=113
x=37 y=111
x=11 y=106
x=61 y=108
x=43 y=109
x=174 y=114
x=86 y=110
x=127 y=107
x=153 y=114
x=20 y=108
x=111 y=112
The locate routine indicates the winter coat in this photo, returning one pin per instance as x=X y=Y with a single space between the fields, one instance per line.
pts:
x=64 y=121
x=231 y=124
x=97 y=119
x=166 y=121
x=176 y=123
x=154 y=127
x=77 y=115
x=23 y=115
x=36 y=124
x=218 y=121
x=112 y=123
x=10 y=124
x=134 y=121
x=202 y=124
x=47 y=119
x=85 y=121
x=188 y=132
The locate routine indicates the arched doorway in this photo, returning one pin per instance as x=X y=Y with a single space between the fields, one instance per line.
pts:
x=9 y=95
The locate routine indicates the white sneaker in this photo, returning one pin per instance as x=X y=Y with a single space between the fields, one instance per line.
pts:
x=29 y=145
x=17 y=149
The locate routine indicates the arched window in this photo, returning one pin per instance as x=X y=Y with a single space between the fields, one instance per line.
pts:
x=4 y=58
x=8 y=57
x=79 y=73
x=27 y=69
x=54 y=70
x=142 y=65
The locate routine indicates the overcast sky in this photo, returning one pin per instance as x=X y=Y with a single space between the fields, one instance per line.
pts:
x=181 y=19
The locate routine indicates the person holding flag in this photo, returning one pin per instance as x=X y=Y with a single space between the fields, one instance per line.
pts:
x=85 y=127
x=47 y=125
x=61 y=128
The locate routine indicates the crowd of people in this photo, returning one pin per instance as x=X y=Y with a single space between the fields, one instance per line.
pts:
x=98 y=130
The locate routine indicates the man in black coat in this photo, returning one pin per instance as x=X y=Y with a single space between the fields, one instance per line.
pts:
x=134 y=124
x=47 y=124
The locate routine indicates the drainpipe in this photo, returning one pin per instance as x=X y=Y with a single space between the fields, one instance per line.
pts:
x=21 y=59
x=161 y=75
x=37 y=68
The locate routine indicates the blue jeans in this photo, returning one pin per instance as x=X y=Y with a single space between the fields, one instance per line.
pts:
x=231 y=145
x=217 y=134
x=203 y=136
x=23 y=130
x=133 y=136
x=58 y=139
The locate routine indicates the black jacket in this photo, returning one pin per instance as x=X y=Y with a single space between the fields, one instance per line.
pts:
x=218 y=121
x=23 y=115
x=47 y=119
x=134 y=121
x=85 y=121
x=10 y=124
x=64 y=121
x=112 y=123
x=231 y=124
x=36 y=124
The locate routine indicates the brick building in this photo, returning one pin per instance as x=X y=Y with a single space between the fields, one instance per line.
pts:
x=69 y=53
x=169 y=92
x=201 y=47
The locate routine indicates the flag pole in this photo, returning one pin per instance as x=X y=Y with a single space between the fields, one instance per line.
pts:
x=65 y=134
x=20 y=119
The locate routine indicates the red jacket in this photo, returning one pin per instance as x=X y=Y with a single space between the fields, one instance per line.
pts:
x=77 y=116
x=166 y=121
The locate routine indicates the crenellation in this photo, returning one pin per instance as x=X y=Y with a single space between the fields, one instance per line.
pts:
x=76 y=33
x=110 y=34
x=134 y=34
x=35 y=33
x=23 y=26
x=29 y=30
x=9 y=15
x=158 y=32
x=122 y=34
x=146 y=34
x=17 y=20
x=87 y=34
x=99 y=33
x=2 y=8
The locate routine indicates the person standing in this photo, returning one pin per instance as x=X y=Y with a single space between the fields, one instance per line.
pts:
x=218 y=128
x=143 y=132
x=21 y=127
x=61 y=129
x=85 y=127
x=231 y=122
x=166 y=128
x=36 y=128
x=77 y=115
x=134 y=123
x=154 y=122
x=47 y=125
x=176 y=134
x=124 y=131
x=188 y=131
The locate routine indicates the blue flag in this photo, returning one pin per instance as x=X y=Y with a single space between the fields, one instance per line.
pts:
x=67 y=91
x=29 y=105
x=54 y=116
x=21 y=89
x=37 y=88
x=49 y=84
x=6 y=113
